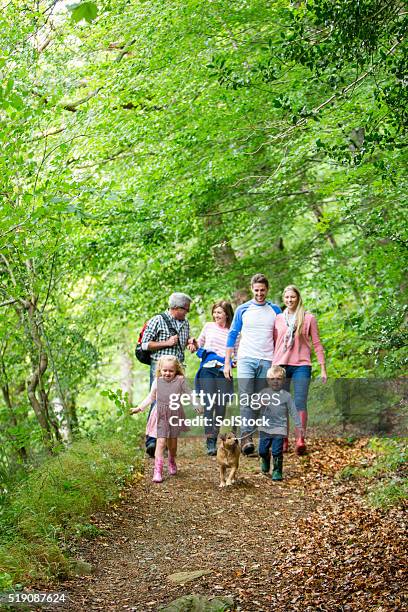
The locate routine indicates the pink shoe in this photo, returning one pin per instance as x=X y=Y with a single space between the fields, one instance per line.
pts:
x=158 y=470
x=300 y=447
x=172 y=466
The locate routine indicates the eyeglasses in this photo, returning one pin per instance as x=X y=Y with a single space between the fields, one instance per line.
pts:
x=183 y=308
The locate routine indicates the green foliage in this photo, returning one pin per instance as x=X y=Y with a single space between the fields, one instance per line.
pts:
x=391 y=454
x=386 y=473
x=392 y=493
x=83 y=10
x=88 y=531
x=120 y=399
x=55 y=502
x=152 y=147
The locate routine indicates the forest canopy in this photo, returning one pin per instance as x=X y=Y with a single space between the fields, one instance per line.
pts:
x=149 y=147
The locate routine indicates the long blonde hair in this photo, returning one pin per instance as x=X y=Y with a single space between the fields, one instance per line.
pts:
x=174 y=360
x=300 y=309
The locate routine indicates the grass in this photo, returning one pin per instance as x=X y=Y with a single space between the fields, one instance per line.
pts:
x=54 y=504
x=385 y=495
x=386 y=471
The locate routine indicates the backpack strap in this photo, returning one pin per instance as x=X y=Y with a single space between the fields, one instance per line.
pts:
x=171 y=329
x=169 y=324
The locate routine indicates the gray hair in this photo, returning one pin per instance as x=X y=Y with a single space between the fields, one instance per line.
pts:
x=179 y=300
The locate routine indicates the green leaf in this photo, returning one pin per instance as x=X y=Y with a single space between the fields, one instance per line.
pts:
x=84 y=10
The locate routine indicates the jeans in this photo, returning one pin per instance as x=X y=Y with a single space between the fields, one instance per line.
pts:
x=215 y=386
x=266 y=441
x=251 y=379
x=149 y=439
x=300 y=375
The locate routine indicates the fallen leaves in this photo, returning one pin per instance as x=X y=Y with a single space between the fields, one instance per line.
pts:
x=184 y=577
x=309 y=544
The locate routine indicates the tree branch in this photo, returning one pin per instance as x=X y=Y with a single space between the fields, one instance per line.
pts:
x=51 y=132
x=8 y=302
x=72 y=106
x=125 y=50
x=14 y=227
x=317 y=109
x=9 y=270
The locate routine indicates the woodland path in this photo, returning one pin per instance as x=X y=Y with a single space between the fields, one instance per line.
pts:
x=308 y=543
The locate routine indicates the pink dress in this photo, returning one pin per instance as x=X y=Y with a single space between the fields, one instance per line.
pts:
x=151 y=427
x=168 y=406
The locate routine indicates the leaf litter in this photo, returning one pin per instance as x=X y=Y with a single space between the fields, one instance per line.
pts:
x=309 y=543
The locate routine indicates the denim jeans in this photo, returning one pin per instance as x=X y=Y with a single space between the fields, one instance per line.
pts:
x=251 y=379
x=266 y=441
x=214 y=384
x=300 y=375
x=149 y=439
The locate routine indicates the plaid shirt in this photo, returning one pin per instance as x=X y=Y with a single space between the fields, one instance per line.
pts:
x=157 y=331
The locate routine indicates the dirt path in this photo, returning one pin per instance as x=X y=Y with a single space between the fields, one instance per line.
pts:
x=297 y=545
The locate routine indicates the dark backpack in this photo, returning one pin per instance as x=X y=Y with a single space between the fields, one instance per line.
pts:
x=146 y=356
x=141 y=355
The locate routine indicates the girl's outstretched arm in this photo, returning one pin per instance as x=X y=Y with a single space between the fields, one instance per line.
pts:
x=149 y=399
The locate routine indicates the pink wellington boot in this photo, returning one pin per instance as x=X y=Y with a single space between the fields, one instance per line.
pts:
x=300 y=435
x=158 y=470
x=172 y=465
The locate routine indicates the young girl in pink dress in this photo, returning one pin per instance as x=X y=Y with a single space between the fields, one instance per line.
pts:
x=166 y=420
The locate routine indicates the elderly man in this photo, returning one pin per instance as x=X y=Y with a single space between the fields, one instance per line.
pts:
x=168 y=334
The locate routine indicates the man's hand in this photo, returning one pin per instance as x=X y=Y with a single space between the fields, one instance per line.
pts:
x=135 y=410
x=192 y=345
x=172 y=341
x=227 y=367
x=323 y=374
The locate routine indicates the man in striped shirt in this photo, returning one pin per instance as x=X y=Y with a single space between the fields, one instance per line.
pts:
x=168 y=334
x=253 y=323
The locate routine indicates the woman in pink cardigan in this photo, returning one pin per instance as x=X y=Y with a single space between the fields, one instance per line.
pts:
x=295 y=331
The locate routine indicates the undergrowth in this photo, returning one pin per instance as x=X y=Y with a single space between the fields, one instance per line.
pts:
x=55 y=501
x=386 y=471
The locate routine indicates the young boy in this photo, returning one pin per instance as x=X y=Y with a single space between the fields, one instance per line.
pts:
x=276 y=402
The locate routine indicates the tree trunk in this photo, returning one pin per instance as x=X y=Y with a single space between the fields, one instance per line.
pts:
x=21 y=450
x=35 y=389
x=319 y=216
x=70 y=407
x=126 y=372
x=225 y=255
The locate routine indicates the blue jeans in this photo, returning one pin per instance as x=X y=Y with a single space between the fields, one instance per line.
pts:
x=214 y=384
x=266 y=441
x=149 y=439
x=251 y=379
x=300 y=375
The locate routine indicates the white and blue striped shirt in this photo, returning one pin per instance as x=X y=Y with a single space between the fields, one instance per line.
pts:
x=254 y=324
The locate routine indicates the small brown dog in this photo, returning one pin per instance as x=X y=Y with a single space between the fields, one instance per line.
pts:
x=228 y=454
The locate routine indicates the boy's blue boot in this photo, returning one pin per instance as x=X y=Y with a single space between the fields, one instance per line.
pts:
x=265 y=465
x=277 y=468
x=211 y=447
